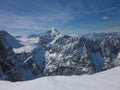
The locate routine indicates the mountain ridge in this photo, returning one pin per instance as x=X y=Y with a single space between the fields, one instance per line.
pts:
x=53 y=54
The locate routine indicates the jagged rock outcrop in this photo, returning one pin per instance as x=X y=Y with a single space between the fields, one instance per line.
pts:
x=48 y=37
x=69 y=55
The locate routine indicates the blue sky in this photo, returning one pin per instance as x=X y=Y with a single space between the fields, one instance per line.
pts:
x=20 y=17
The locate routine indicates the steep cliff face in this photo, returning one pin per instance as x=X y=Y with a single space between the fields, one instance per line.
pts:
x=9 y=65
x=33 y=63
x=70 y=55
x=110 y=47
x=23 y=65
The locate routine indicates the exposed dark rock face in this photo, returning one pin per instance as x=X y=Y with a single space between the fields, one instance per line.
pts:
x=71 y=55
x=8 y=61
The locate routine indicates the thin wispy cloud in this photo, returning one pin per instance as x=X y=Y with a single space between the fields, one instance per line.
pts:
x=105 y=17
x=65 y=15
x=110 y=9
x=34 y=22
x=50 y=15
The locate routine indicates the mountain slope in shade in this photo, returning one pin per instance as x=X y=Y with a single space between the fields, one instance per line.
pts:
x=107 y=80
x=9 y=64
x=11 y=40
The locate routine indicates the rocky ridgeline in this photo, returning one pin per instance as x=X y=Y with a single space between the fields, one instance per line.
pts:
x=71 y=55
x=58 y=54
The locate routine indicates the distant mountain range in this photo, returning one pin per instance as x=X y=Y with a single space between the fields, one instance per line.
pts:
x=52 y=53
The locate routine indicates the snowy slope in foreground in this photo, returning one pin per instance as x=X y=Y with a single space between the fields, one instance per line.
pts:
x=107 y=80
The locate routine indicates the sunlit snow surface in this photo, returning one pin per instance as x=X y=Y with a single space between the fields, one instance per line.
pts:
x=107 y=80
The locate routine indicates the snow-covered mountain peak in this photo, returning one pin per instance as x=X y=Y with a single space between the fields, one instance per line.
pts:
x=53 y=32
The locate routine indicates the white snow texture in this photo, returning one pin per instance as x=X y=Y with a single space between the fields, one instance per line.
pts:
x=107 y=80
